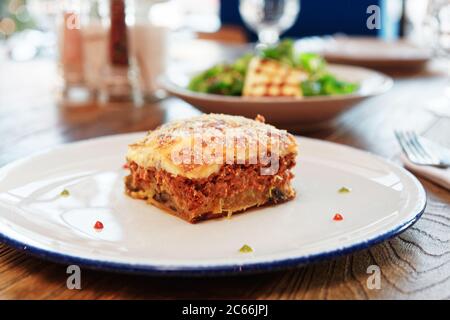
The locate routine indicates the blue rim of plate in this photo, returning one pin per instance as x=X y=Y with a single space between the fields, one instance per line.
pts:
x=221 y=270
x=249 y=268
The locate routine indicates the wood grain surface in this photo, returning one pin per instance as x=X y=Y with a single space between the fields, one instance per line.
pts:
x=414 y=265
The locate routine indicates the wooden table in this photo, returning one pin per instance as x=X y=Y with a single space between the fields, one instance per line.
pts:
x=415 y=264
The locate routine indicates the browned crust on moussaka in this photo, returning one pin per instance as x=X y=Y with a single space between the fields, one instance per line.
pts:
x=233 y=189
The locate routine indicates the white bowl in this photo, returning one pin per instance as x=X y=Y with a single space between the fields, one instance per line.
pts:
x=284 y=110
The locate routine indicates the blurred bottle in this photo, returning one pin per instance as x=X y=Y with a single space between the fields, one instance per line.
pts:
x=415 y=15
x=118 y=82
x=148 y=47
x=70 y=45
x=391 y=16
x=437 y=24
x=436 y=28
x=94 y=32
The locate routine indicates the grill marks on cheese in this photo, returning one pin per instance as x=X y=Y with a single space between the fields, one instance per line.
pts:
x=271 y=78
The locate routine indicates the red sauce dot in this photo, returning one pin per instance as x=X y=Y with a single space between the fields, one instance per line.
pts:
x=126 y=166
x=338 y=217
x=98 y=225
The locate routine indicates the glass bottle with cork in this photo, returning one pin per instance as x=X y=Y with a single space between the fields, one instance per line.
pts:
x=118 y=85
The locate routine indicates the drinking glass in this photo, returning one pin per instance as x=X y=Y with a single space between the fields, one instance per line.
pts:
x=269 y=18
x=443 y=14
x=437 y=24
x=148 y=41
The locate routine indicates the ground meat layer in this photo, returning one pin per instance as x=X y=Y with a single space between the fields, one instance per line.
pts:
x=233 y=189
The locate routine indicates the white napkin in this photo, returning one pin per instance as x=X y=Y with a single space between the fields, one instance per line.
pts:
x=437 y=175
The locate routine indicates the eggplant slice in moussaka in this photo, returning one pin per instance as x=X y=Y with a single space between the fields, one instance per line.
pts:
x=212 y=166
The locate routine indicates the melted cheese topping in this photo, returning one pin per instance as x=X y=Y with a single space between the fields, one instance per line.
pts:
x=198 y=147
x=270 y=78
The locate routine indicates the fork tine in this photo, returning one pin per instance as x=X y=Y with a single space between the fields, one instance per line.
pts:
x=418 y=152
x=410 y=152
x=412 y=139
x=422 y=149
x=427 y=148
x=399 y=136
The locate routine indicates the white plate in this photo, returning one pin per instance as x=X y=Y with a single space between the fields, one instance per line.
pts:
x=376 y=53
x=137 y=237
x=284 y=111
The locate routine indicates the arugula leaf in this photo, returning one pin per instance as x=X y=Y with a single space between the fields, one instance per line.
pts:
x=228 y=79
x=220 y=79
x=312 y=63
x=241 y=64
x=327 y=84
x=283 y=52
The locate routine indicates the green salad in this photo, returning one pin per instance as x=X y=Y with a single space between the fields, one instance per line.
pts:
x=229 y=78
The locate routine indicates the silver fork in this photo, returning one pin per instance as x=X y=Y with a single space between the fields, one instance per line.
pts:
x=422 y=151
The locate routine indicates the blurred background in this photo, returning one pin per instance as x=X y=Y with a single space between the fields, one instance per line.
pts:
x=114 y=47
x=77 y=69
x=221 y=20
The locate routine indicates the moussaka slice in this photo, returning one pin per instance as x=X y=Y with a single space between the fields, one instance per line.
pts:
x=212 y=166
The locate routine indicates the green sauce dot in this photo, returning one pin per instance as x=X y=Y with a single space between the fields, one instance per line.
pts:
x=344 y=190
x=245 y=249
